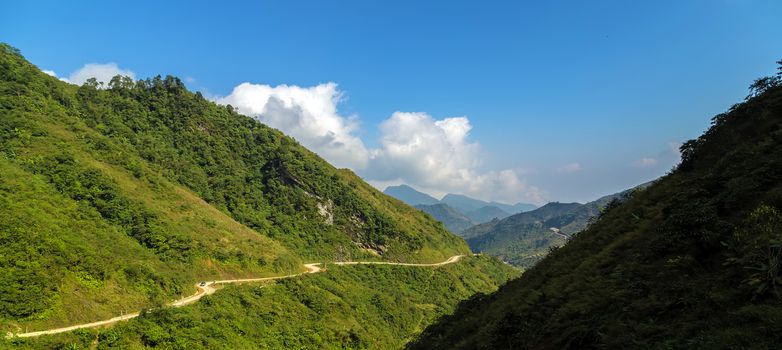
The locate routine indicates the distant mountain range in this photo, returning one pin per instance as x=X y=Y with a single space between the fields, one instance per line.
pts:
x=453 y=219
x=523 y=239
x=410 y=195
x=457 y=212
x=467 y=204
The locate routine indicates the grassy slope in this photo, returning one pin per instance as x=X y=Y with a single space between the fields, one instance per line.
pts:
x=355 y=307
x=122 y=198
x=691 y=262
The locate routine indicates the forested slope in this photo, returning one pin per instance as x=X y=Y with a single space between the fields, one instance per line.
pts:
x=122 y=196
x=692 y=262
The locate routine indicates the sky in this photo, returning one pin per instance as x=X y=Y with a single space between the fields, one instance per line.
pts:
x=530 y=101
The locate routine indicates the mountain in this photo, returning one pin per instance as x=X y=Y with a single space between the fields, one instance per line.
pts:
x=453 y=220
x=119 y=197
x=514 y=208
x=409 y=195
x=487 y=213
x=525 y=238
x=691 y=262
x=467 y=204
x=463 y=203
x=521 y=239
x=454 y=210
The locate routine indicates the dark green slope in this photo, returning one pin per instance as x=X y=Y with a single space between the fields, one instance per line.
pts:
x=692 y=262
x=120 y=198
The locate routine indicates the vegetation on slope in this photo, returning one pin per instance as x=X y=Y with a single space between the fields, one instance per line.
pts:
x=120 y=196
x=525 y=238
x=351 y=307
x=692 y=262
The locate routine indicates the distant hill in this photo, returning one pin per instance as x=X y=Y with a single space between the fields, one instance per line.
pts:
x=487 y=213
x=514 y=208
x=694 y=261
x=410 y=195
x=467 y=204
x=457 y=207
x=453 y=220
x=523 y=239
x=463 y=203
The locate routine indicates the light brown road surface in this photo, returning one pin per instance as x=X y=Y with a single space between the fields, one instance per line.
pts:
x=208 y=288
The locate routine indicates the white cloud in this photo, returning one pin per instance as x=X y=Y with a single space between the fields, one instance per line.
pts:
x=437 y=156
x=434 y=155
x=102 y=72
x=49 y=72
x=569 y=168
x=645 y=162
x=308 y=114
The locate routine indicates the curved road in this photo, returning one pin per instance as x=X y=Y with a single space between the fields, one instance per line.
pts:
x=209 y=289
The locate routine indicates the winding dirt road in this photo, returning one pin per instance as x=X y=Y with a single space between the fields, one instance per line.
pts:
x=208 y=288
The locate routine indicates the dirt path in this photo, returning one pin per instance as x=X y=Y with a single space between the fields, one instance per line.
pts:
x=208 y=288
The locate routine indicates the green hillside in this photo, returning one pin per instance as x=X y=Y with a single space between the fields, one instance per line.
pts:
x=120 y=197
x=525 y=238
x=692 y=262
x=356 y=307
x=522 y=239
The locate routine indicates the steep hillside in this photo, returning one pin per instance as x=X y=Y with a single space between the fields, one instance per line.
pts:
x=692 y=262
x=409 y=195
x=453 y=220
x=121 y=196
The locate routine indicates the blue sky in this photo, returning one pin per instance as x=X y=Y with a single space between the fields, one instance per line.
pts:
x=563 y=100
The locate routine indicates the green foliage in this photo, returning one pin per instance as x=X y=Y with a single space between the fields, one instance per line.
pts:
x=352 y=307
x=757 y=247
x=120 y=196
x=524 y=239
x=692 y=262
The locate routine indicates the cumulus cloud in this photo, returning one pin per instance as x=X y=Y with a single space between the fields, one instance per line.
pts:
x=569 y=168
x=437 y=156
x=414 y=148
x=102 y=72
x=308 y=114
x=49 y=72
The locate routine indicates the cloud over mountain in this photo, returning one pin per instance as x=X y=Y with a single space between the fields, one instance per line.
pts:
x=414 y=148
